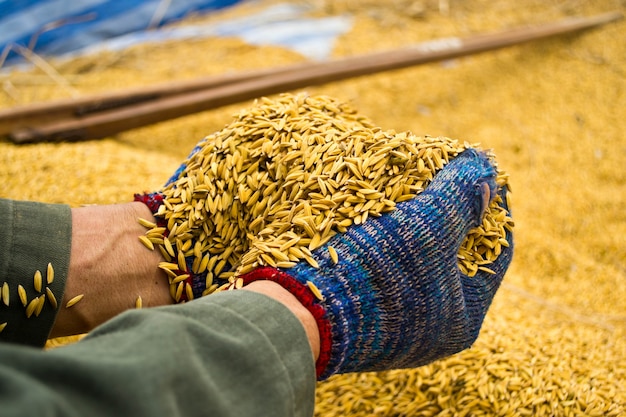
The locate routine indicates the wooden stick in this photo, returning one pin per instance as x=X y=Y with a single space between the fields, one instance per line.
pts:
x=110 y=122
x=75 y=108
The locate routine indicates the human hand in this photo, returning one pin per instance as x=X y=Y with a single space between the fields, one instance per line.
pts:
x=396 y=298
x=284 y=177
x=216 y=204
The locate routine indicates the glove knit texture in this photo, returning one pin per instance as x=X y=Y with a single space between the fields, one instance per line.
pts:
x=396 y=298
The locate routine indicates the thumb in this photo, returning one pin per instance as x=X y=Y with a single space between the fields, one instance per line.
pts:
x=455 y=200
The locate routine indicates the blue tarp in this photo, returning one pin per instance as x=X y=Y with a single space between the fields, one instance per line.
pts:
x=62 y=27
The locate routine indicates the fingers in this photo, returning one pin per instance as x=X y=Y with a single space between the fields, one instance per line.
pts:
x=480 y=289
x=456 y=199
x=466 y=184
x=485 y=193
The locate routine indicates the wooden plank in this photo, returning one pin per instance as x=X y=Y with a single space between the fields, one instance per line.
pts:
x=23 y=117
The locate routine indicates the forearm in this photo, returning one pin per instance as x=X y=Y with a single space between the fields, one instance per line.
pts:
x=235 y=353
x=93 y=251
x=110 y=267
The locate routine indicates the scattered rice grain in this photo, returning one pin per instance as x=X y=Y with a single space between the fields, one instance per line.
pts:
x=5 y=294
x=49 y=273
x=32 y=306
x=146 y=242
x=22 y=293
x=333 y=254
x=74 y=300
x=37 y=280
x=51 y=298
x=316 y=291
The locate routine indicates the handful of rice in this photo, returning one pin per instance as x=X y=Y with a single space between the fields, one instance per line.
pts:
x=288 y=174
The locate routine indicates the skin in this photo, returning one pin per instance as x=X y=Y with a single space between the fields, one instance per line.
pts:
x=278 y=293
x=111 y=267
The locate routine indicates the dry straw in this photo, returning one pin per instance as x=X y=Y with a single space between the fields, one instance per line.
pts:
x=287 y=175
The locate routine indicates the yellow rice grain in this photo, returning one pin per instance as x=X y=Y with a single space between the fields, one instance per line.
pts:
x=37 y=281
x=5 y=293
x=32 y=306
x=316 y=292
x=333 y=254
x=40 y=303
x=146 y=242
x=51 y=298
x=188 y=291
x=49 y=273
x=146 y=223
x=22 y=293
x=74 y=300
x=179 y=291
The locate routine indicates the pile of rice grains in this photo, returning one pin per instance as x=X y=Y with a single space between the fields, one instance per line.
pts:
x=553 y=342
x=284 y=177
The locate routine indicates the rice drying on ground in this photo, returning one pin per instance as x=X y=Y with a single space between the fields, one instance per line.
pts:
x=553 y=342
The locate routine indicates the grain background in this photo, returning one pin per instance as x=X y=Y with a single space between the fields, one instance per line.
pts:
x=554 y=341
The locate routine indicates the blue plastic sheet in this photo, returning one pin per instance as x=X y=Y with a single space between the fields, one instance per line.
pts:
x=66 y=27
x=57 y=27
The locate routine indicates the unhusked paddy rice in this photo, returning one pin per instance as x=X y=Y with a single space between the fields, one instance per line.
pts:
x=288 y=174
x=51 y=298
x=22 y=293
x=37 y=281
x=49 y=273
x=74 y=300
x=316 y=291
x=5 y=294
x=32 y=306
x=41 y=300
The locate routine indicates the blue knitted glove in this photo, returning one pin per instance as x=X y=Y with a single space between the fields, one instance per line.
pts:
x=396 y=298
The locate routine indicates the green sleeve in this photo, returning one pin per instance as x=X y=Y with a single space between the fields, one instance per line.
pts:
x=236 y=353
x=31 y=236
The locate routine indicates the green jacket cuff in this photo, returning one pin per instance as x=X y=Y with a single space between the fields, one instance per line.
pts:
x=33 y=236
